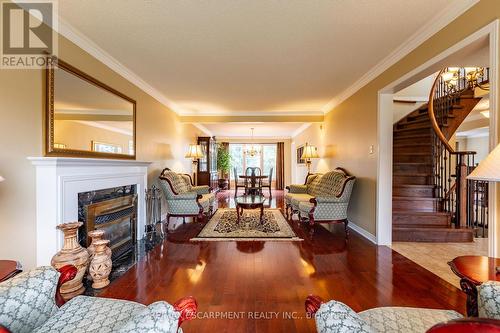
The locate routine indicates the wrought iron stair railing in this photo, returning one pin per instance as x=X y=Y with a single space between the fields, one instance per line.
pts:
x=464 y=199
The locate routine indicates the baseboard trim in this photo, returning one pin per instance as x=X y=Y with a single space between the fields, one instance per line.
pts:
x=363 y=232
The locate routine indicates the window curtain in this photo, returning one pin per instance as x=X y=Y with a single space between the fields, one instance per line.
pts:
x=280 y=165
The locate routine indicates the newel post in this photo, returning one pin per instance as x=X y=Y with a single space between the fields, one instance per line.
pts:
x=461 y=188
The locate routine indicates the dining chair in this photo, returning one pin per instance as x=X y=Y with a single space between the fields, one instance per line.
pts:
x=238 y=182
x=268 y=182
x=253 y=182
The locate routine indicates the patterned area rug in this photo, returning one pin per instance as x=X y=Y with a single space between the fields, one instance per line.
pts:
x=223 y=226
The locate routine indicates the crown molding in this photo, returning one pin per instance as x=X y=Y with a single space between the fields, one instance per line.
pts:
x=82 y=41
x=300 y=129
x=318 y=113
x=203 y=129
x=445 y=17
x=256 y=139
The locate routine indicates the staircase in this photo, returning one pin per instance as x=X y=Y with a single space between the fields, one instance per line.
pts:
x=419 y=214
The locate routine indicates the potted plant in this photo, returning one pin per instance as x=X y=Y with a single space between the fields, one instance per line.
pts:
x=223 y=166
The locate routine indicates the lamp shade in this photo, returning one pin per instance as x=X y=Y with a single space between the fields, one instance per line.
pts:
x=489 y=168
x=1 y=179
x=194 y=152
x=309 y=152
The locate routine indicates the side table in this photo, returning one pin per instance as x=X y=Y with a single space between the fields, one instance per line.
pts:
x=9 y=268
x=473 y=271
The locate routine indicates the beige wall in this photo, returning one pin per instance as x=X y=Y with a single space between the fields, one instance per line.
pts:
x=287 y=142
x=478 y=144
x=351 y=127
x=315 y=136
x=161 y=138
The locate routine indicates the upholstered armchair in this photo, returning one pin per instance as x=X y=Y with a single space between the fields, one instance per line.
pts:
x=183 y=199
x=323 y=198
x=336 y=317
x=31 y=302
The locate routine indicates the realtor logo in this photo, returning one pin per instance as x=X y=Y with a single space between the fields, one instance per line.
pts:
x=27 y=37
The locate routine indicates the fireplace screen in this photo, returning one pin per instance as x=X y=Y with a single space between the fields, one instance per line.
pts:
x=115 y=212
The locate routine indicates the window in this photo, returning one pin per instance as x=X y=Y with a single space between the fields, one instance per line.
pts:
x=265 y=160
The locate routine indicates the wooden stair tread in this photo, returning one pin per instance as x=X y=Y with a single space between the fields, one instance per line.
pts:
x=447 y=229
x=416 y=144
x=420 y=213
x=412 y=154
x=415 y=198
x=416 y=174
x=413 y=163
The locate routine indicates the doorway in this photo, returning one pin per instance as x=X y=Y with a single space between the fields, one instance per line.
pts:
x=486 y=36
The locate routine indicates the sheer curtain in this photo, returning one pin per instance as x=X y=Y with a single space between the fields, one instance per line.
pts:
x=280 y=165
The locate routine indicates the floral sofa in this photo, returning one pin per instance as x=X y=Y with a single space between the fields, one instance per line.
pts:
x=184 y=199
x=323 y=197
x=31 y=302
x=336 y=317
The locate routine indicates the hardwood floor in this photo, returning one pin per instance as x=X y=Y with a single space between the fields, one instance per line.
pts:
x=248 y=280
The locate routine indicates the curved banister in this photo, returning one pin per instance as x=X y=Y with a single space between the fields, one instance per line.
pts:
x=434 y=123
x=449 y=167
x=432 y=114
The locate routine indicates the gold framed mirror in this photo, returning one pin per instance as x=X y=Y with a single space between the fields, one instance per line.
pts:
x=85 y=117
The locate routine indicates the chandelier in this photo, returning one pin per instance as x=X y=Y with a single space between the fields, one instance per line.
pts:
x=252 y=151
x=459 y=78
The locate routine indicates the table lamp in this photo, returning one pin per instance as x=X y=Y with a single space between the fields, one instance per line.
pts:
x=309 y=153
x=488 y=170
x=1 y=179
x=195 y=152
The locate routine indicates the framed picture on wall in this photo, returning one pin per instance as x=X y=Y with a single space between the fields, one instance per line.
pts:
x=300 y=151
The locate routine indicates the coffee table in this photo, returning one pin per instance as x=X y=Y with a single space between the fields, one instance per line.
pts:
x=473 y=271
x=250 y=202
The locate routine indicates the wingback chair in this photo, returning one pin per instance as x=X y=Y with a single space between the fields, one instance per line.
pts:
x=184 y=199
x=323 y=198
x=336 y=317
x=31 y=302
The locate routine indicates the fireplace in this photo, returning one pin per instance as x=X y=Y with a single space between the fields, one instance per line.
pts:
x=113 y=210
x=60 y=180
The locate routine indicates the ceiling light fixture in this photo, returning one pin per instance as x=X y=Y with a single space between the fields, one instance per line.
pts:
x=459 y=79
x=252 y=151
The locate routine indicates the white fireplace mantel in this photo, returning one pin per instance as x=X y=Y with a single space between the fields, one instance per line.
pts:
x=58 y=182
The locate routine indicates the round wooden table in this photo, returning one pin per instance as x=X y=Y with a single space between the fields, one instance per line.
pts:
x=250 y=202
x=473 y=271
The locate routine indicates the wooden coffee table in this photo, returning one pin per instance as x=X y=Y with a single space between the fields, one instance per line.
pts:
x=250 y=202
x=473 y=271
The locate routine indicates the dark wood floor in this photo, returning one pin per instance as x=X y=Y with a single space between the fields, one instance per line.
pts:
x=258 y=278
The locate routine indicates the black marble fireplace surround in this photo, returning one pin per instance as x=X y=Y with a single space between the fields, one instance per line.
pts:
x=127 y=257
x=92 y=197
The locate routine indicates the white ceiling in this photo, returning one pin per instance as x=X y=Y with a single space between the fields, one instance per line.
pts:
x=261 y=130
x=246 y=56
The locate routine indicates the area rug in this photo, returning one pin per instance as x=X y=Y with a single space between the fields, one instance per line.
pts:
x=223 y=226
